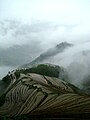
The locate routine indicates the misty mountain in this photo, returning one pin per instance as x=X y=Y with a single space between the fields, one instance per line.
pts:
x=74 y=59
x=20 y=42
x=48 y=54
x=17 y=55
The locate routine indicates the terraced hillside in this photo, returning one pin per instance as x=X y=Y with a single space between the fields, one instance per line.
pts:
x=38 y=95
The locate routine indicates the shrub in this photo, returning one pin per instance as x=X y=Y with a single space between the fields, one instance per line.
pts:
x=43 y=69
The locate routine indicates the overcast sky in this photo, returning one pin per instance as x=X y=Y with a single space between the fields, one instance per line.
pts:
x=62 y=11
x=52 y=21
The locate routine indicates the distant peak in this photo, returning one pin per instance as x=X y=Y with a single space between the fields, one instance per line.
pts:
x=63 y=44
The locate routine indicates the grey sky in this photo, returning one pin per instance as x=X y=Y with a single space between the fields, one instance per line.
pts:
x=62 y=11
x=50 y=20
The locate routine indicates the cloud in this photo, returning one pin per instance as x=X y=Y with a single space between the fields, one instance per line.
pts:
x=76 y=60
x=61 y=11
x=14 y=32
x=45 y=34
x=48 y=22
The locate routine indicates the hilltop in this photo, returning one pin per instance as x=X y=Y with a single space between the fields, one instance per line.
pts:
x=34 y=95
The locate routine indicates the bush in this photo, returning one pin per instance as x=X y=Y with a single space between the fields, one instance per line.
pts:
x=6 y=80
x=43 y=69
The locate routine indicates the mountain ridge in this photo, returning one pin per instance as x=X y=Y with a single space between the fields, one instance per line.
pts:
x=49 y=53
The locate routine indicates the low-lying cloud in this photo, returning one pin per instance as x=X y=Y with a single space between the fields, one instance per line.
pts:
x=40 y=36
x=76 y=60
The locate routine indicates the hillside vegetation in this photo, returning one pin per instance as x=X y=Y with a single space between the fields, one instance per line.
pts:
x=32 y=95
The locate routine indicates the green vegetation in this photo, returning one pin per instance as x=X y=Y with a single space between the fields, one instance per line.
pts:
x=6 y=80
x=4 y=83
x=43 y=69
x=2 y=99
